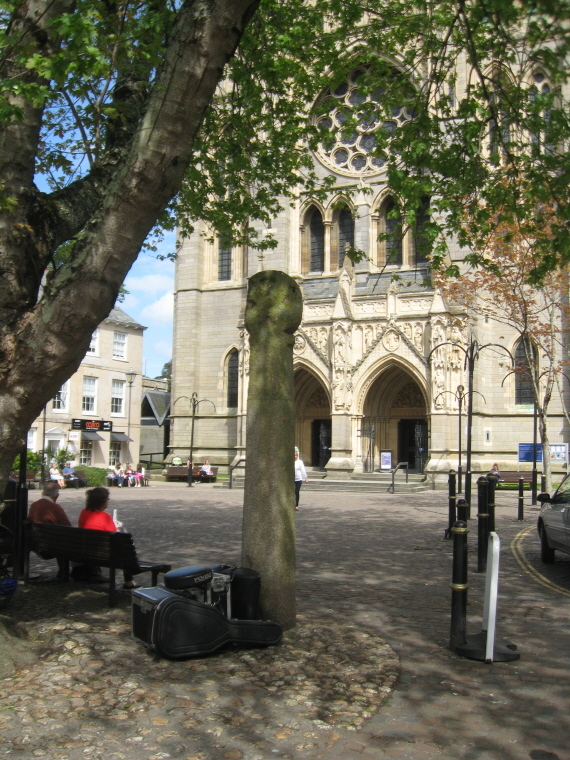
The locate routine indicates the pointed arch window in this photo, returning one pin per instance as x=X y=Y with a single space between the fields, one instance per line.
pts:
x=523 y=376
x=422 y=243
x=541 y=90
x=393 y=234
x=317 y=242
x=225 y=257
x=233 y=377
x=345 y=234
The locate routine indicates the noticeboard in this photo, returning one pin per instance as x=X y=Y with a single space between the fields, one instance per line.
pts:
x=386 y=459
x=526 y=452
x=559 y=453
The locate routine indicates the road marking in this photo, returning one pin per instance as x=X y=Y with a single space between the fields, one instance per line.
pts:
x=517 y=550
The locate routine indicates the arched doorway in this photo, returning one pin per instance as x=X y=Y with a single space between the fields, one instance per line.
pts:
x=312 y=419
x=395 y=420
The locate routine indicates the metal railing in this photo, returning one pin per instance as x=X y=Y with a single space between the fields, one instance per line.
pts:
x=147 y=460
x=232 y=468
x=392 y=488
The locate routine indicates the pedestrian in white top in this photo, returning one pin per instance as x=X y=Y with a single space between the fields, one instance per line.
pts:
x=300 y=476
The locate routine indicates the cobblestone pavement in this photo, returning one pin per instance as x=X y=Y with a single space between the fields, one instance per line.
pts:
x=371 y=569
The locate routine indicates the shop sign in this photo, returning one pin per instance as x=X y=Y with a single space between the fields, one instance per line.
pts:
x=94 y=425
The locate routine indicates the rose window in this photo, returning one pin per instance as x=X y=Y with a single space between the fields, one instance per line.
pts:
x=349 y=119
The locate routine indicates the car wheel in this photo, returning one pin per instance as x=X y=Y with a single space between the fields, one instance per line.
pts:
x=546 y=552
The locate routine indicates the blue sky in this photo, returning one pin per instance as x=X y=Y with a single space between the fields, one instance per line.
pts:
x=150 y=301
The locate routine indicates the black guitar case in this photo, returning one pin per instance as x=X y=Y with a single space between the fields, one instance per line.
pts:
x=179 y=628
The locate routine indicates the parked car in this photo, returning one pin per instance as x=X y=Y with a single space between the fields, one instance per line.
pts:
x=554 y=521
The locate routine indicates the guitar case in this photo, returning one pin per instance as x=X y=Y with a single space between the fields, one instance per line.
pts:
x=180 y=628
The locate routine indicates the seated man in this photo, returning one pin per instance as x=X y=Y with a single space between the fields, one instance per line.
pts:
x=47 y=510
x=69 y=475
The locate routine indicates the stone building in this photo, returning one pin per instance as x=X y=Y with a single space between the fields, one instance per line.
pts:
x=379 y=355
x=96 y=413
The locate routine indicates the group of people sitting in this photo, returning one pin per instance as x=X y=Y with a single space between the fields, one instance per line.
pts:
x=93 y=517
x=67 y=474
x=120 y=476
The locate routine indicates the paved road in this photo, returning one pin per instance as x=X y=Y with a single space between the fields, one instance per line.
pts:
x=381 y=561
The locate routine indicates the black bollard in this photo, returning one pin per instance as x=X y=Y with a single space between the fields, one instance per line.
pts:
x=491 y=488
x=482 y=523
x=462 y=509
x=543 y=483
x=521 y=499
x=452 y=483
x=467 y=492
x=459 y=586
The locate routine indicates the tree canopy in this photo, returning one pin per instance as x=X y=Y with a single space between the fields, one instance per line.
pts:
x=120 y=117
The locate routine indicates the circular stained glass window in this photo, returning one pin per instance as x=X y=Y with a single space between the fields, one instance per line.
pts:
x=348 y=148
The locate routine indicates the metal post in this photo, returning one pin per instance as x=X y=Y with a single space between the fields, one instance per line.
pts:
x=452 y=516
x=459 y=586
x=130 y=375
x=462 y=508
x=471 y=369
x=482 y=524
x=521 y=499
x=534 y=484
x=43 y=472
x=543 y=483
x=194 y=402
x=491 y=488
x=460 y=397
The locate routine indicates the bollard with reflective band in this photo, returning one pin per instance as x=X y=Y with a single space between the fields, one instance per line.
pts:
x=484 y=645
x=491 y=488
x=521 y=499
x=462 y=509
x=543 y=484
x=482 y=524
x=459 y=586
x=452 y=483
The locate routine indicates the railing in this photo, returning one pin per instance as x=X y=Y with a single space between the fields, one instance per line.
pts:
x=147 y=460
x=232 y=468
x=396 y=468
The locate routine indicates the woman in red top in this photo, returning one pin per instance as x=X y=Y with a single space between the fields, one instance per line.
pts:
x=94 y=517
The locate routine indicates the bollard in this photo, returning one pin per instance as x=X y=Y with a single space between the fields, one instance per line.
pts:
x=452 y=482
x=482 y=523
x=543 y=483
x=459 y=586
x=462 y=507
x=491 y=489
x=467 y=492
x=521 y=499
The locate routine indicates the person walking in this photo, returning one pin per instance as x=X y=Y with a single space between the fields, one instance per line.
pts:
x=300 y=476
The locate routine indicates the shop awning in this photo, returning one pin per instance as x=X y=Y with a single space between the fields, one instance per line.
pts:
x=120 y=437
x=89 y=435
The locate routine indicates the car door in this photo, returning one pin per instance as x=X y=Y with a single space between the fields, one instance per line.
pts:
x=556 y=517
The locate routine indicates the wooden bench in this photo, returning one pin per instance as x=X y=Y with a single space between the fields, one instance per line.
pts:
x=80 y=479
x=513 y=477
x=98 y=548
x=31 y=478
x=181 y=473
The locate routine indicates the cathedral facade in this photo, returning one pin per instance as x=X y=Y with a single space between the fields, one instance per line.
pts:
x=380 y=357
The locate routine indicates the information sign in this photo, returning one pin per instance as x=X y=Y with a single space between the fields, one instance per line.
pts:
x=94 y=425
x=386 y=460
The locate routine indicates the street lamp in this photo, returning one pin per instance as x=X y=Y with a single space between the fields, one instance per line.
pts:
x=130 y=375
x=460 y=395
x=194 y=404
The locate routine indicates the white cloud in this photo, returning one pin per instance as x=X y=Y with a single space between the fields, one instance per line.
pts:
x=161 y=311
x=150 y=283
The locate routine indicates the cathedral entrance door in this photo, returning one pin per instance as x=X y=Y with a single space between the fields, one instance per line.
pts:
x=320 y=443
x=412 y=443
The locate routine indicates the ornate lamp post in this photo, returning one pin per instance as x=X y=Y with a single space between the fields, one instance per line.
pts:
x=130 y=375
x=194 y=404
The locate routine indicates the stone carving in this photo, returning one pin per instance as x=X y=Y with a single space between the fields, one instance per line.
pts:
x=244 y=352
x=324 y=340
x=368 y=338
x=300 y=344
x=317 y=312
x=409 y=396
x=318 y=400
x=364 y=309
x=414 y=305
x=391 y=340
x=419 y=336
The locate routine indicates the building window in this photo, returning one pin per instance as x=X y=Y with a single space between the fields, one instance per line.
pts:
x=119 y=345
x=233 y=374
x=31 y=439
x=89 y=403
x=61 y=398
x=93 y=346
x=540 y=91
x=422 y=243
x=86 y=453
x=114 y=453
x=345 y=235
x=225 y=257
x=117 y=396
x=523 y=379
x=317 y=243
x=393 y=226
